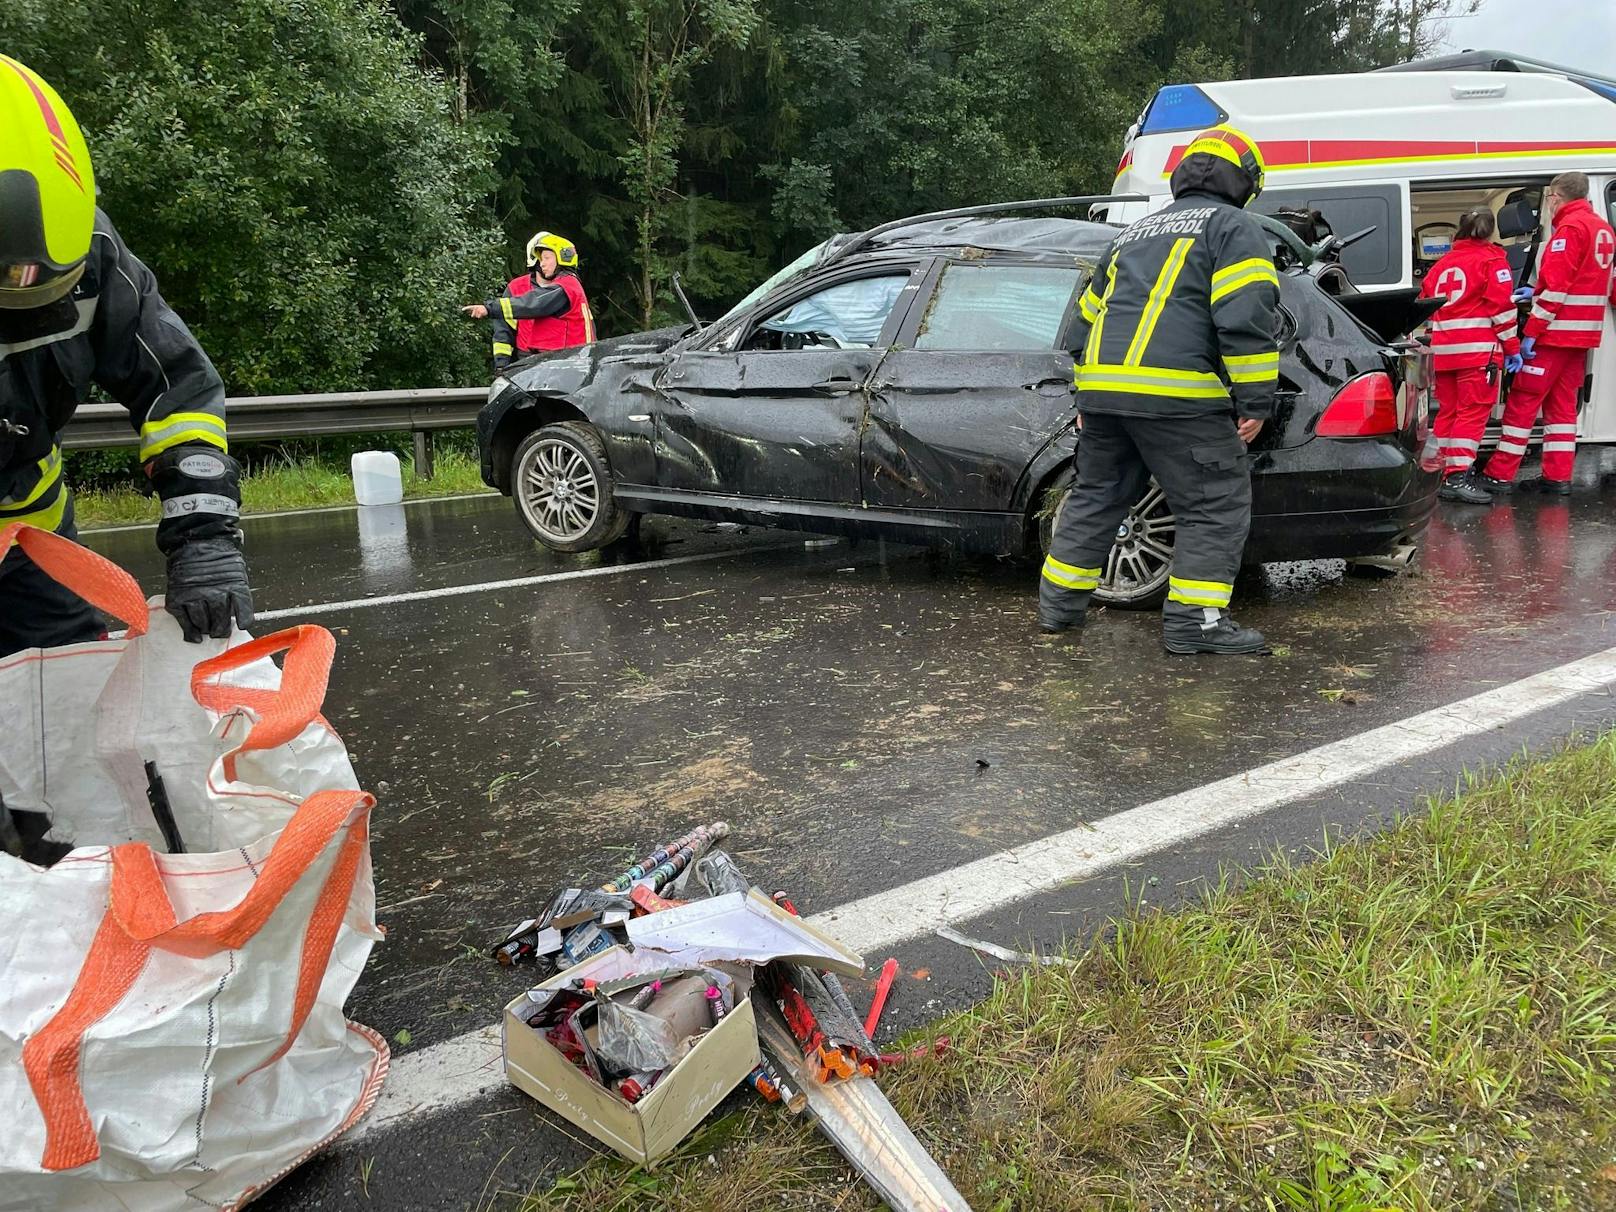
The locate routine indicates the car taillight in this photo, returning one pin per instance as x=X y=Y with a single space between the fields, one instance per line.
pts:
x=1364 y=408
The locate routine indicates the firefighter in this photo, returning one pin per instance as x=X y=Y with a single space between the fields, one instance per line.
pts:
x=545 y=308
x=79 y=310
x=1472 y=337
x=1567 y=320
x=1176 y=365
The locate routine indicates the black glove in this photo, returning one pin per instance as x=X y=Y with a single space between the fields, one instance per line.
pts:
x=207 y=575
x=207 y=588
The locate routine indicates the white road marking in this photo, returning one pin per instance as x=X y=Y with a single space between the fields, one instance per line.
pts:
x=455 y=591
x=462 y=1068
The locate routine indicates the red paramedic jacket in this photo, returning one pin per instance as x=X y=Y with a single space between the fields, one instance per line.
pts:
x=1478 y=317
x=1574 y=279
x=575 y=326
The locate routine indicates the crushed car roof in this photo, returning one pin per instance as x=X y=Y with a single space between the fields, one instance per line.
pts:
x=1075 y=238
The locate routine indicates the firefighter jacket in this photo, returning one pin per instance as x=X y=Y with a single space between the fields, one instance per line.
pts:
x=1573 y=279
x=530 y=317
x=113 y=331
x=1180 y=316
x=1477 y=323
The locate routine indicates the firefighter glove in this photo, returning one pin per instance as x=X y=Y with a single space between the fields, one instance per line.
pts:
x=207 y=588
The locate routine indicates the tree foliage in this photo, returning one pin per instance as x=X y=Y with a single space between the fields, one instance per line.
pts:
x=319 y=182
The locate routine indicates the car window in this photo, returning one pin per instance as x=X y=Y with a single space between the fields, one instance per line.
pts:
x=997 y=307
x=849 y=315
x=778 y=278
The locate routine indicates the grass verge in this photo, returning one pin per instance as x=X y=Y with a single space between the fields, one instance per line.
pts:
x=1422 y=1020
x=294 y=484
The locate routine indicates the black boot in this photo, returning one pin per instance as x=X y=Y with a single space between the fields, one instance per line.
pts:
x=1052 y=622
x=1499 y=488
x=1212 y=631
x=1555 y=488
x=1463 y=487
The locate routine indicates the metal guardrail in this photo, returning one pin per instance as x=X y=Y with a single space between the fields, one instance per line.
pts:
x=421 y=411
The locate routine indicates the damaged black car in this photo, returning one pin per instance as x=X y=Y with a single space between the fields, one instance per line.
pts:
x=912 y=382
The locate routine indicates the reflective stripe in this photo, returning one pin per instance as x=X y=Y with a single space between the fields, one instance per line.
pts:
x=1505 y=317
x=1557 y=447
x=1199 y=593
x=1508 y=334
x=1069 y=576
x=1539 y=312
x=1470 y=322
x=1465 y=347
x=1157 y=301
x=200 y=502
x=505 y=310
x=45 y=505
x=1150 y=381
x=1219 y=293
x=1515 y=431
x=1239 y=270
x=500 y=348
x=1553 y=296
x=1460 y=444
x=1584 y=300
x=81 y=324
x=1560 y=429
x=1512 y=447
x=1093 y=351
x=1253 y=368
x=1089 y=305
x=179 y=427
x=1558 y=325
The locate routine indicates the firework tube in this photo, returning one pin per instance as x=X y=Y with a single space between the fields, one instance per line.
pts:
x=698 y=839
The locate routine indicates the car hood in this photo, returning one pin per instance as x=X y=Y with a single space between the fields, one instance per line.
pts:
x=566 y=370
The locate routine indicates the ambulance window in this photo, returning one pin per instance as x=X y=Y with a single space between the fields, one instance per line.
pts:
x=1437 y=209
x=1375 y=260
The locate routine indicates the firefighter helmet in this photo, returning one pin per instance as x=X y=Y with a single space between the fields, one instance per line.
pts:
x=1239 y=149
x=566 y=252
x=47 y=191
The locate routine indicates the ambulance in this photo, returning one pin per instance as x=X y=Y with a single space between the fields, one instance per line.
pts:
x=1404 y=152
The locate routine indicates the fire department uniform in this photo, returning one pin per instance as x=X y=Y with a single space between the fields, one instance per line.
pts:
x=78 y=310
x=1567 y=320
x=1470 y=335
x=534 y=315
x=1176 y=337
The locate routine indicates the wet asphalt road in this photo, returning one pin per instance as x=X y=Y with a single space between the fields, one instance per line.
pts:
x=832 y=702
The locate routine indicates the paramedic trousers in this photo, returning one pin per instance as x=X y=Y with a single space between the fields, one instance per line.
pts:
x=36 y=612
x=1549 y=384
x=1205 y=474
x=1464 y=403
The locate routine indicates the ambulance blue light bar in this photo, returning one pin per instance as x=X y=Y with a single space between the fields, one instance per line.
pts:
x=1180 y=107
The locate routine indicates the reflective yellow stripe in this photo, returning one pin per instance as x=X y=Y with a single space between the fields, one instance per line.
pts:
x=1253 y=368
x=50 y=471
x=502 y=350
x=1199 y=593
x=179 y=427
x=1159 y=294
x=1093 y=351
x=505 y=307
x=1241 y=268
x=1069 y=576
x=50 y=516
x=1227 y=288
x=1089 y=305
x=1151 y=381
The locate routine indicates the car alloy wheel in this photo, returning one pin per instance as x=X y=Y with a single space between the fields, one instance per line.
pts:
x=559 y=491
x=1136 y=571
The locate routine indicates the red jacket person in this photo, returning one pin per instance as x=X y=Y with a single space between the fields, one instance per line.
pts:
x=544 y=309
x=1567 y=320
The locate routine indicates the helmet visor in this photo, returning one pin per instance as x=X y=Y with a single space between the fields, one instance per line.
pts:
x=26 y=284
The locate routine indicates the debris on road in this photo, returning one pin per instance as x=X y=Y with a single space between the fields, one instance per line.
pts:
x=997 y=952
x=654 y=1008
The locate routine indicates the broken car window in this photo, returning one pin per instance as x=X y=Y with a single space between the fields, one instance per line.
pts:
x=849 y=315
x=998 y=307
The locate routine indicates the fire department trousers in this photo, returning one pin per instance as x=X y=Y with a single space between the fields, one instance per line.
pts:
x=36 y=612
x=1549 y=384
x=1464 y=402
x=1204 y=472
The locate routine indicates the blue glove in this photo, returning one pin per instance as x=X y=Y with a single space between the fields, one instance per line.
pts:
x=1523 y=294
x=1527 y=350
x=1512 y=363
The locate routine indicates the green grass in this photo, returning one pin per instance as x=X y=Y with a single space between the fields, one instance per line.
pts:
x=1422 y=1020
x=293 y=484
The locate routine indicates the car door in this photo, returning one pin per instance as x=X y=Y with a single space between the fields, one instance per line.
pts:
x=976 y=387
x=772 y=408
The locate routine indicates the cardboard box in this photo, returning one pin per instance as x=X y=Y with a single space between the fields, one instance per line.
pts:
x=649 y=1129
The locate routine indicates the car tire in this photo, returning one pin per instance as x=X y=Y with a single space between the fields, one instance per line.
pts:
x=1136 y=571
x=562 y=486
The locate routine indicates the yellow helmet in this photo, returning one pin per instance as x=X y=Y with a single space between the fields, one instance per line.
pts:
x=566 y=252
x=47 y=191
x=1238 y=148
